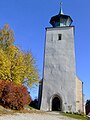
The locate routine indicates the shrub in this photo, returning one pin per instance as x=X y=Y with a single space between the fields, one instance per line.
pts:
x=13 y=96
x=34 y=103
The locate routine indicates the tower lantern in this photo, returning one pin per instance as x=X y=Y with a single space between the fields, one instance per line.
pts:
x=61 y=20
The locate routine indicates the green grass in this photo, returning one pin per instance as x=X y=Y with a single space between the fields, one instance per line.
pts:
x=75 y=116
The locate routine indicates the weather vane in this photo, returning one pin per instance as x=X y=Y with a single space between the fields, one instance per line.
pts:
x=61 y=4
x=61 y=11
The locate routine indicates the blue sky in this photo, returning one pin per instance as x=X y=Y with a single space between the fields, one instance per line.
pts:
x=28 y=19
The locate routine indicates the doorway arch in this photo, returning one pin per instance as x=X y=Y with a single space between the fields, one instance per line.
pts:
x=56 y=103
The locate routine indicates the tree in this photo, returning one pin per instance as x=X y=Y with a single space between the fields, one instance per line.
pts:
x=87 y=106
x=15 y=65
x=13 y=96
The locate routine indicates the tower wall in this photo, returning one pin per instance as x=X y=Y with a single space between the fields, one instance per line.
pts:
x=59 y=69
x=79 y=96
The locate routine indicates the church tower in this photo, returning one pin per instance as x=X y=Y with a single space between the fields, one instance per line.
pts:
x=57 y=90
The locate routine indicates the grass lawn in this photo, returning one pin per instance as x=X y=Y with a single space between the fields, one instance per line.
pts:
x=75 y=116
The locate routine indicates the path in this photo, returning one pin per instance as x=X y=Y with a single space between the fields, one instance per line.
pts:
x=34 y=116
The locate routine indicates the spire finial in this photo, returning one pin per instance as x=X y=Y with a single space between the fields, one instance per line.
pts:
x=61 y=11
x=60 y=4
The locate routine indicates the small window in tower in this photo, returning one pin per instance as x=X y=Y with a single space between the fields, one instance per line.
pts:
x=59 y=36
